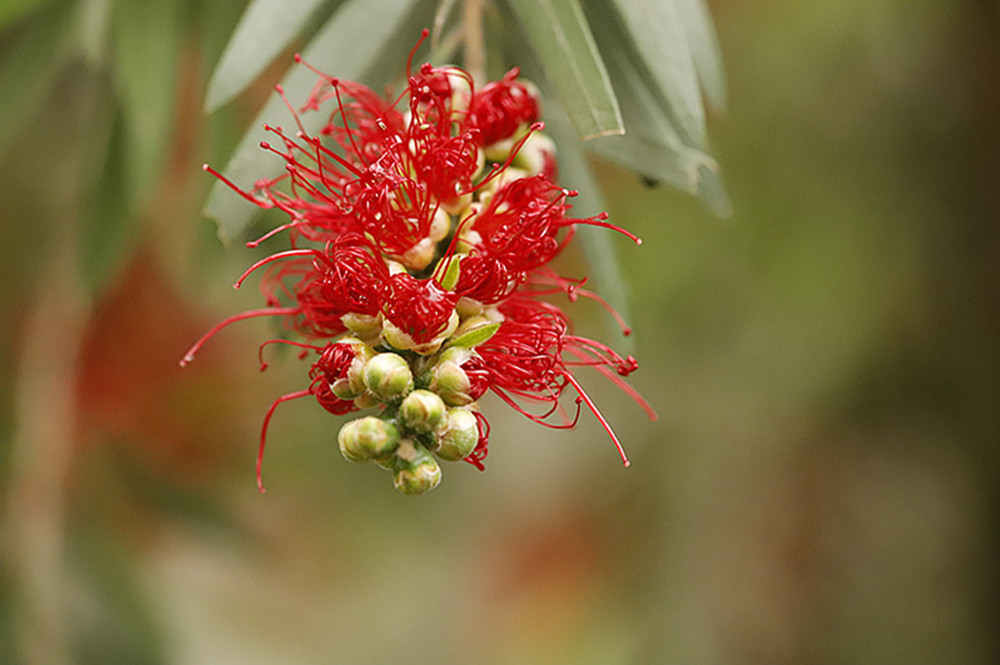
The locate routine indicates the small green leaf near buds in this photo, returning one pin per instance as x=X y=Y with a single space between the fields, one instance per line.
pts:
x=422 y=411
x=459 y=437
x=478 y=331
x=416 y=470
x=388 y=376
x=364 y=438
x=450 y=277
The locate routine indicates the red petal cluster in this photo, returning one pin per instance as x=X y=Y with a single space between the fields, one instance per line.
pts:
x=406 y=226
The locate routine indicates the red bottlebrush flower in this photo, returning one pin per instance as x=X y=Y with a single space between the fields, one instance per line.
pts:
x=420 y=273
x=333 y=365
x=502 y=107
x=419 y=308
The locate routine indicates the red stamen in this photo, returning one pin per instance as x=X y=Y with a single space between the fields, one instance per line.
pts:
x=263 y=432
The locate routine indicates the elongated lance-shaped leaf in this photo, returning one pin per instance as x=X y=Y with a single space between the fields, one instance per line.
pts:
x=346 y=46
x=652 y=147
x=562 y=40
x=704 y=44
x=266 y=28
x=659 y=40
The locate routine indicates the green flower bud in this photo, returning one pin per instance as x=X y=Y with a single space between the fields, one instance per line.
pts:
x=467 y=307
x=365 y=326
x=362 y=439
x=534 y=152
x=422 y=411
x=353 y=385
x=459 y=436
x=387 y=376
x=416 y=469
x=451 y=382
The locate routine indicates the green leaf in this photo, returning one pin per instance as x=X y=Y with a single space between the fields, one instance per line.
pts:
x=146 y=37
x=704 y=44
x=347 y=45
x=474 y=337
x=653 y=35
x=265 y=29
x=562 y=40
x=653 y=147
x=28 y=68
x=451 y=275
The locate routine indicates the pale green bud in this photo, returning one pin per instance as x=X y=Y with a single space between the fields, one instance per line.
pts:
x=451 y=382
x=459 y=436
x=388 y=376
x=353 y=385
x=422 y=411
x=534 y=152
x=467 y=307
x=362 y=439
x=416 y=470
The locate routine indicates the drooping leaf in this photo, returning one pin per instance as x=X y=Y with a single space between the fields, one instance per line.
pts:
x=347 y=46
x=660 y=40
x=145 y=40
x=562 y=40
x=704 y=44
x=265 y=29
x=653 y=147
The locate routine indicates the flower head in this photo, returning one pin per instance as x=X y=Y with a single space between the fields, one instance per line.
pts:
x=421 y=229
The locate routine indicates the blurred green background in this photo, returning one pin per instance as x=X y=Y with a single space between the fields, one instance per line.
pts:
x=821 y=487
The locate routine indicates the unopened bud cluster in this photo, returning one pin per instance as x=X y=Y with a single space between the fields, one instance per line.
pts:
x=416 y=426
x=422 y=230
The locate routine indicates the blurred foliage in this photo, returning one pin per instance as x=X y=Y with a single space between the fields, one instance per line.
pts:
x=821 y=487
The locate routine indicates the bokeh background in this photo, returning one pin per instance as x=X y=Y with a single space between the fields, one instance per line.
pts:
x=821 y=487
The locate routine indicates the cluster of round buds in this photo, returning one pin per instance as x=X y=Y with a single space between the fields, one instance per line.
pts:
x=421 y=230
x=427 y=408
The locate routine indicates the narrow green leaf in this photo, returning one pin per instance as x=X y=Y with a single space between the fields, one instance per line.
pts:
x=658 y=36
x=451 y=275
x=266 y=28
x=704 y=43
x=146 y=40
x=346 y=46
x=474 y=337
x=652 y=146
x=562 y=40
